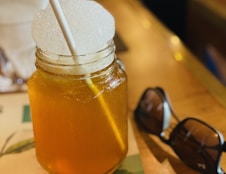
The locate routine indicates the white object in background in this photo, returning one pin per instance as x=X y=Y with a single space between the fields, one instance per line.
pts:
x=16 y=18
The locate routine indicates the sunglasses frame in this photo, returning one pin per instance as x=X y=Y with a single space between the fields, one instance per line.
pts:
x=219 y=148
x=167 y=112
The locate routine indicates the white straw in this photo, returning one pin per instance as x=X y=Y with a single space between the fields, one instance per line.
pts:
x=71 y=44
x=58 y=11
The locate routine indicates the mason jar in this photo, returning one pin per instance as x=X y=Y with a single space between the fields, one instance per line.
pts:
x=79 y=111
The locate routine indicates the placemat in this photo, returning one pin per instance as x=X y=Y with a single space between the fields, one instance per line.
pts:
x=17 y=151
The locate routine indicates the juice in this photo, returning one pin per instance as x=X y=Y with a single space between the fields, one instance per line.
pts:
x=72 y=133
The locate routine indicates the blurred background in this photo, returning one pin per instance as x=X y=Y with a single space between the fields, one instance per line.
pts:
x=17 y=47
x=201 y=24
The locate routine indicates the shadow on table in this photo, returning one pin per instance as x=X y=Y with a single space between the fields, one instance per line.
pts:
x=119 y=43
x=162 y=155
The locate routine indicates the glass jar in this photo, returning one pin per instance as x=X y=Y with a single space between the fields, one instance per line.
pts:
x=79 y=112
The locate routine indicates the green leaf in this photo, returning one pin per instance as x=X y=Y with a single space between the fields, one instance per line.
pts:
x=20 y=146
x=6 y=142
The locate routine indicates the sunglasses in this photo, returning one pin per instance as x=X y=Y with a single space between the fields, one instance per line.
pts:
x=196 y=143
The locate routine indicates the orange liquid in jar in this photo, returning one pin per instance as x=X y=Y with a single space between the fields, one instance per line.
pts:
x=72 y=132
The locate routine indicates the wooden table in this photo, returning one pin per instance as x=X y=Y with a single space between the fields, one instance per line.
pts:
x=156 y=57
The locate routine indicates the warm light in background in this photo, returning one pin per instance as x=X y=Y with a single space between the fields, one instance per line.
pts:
x=175 y=40
x=178 y=56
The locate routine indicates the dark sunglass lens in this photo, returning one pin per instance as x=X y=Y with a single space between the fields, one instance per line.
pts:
x=197 y=145
x=150 y=111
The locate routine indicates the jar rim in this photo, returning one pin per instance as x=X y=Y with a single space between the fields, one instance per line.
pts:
x=86 y=63
x=109 y=44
